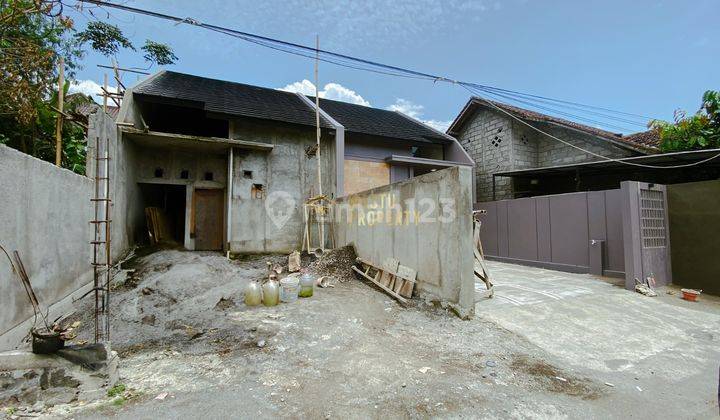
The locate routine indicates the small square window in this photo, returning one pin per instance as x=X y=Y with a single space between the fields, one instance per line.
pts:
x=257 y=191
x=184 y=174
x=208 y=176
x=159 y=172
x=247 y=174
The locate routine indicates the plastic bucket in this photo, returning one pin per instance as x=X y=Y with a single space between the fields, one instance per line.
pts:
x=289 y=287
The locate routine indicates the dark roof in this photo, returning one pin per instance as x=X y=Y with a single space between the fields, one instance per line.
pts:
x=230 y=98
x=638 y=141
x=238 y=99
x=380 y=122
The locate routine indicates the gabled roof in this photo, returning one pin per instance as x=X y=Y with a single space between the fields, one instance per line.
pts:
x=229 y=98
x=84 y=110
x=237 y=99
x=380 y=122
x=647 y=141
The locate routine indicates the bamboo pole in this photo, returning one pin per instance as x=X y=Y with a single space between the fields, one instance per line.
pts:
x=105 y=89
x=59 y=123
x=317 y=123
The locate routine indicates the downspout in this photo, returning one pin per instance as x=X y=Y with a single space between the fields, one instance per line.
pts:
x=231 y=154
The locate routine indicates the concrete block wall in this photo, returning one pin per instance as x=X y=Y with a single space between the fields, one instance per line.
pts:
x=488 y=139
x=439 y=245
x=498 y=143
x=45 y=212
x=552 y=152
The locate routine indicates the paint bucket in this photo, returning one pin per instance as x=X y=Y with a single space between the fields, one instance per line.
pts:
x=289 y=288
x=690 y=294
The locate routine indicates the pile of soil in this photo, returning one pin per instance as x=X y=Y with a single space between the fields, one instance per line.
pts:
x=336 y=263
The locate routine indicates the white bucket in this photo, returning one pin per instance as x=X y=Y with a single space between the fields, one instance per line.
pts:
x=289 y=288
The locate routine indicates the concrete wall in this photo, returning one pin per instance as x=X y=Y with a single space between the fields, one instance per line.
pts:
x=127 y=216
x=288 y=176
x=694 y=231
x=45 y=212
x=557 y=231
x=438 y=246
x=498 y=143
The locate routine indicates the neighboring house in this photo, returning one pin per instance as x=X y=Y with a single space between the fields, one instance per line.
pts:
x=499 y=144
x=231 y=164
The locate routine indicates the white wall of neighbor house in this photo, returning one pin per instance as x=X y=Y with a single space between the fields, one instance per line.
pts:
x=287 y=176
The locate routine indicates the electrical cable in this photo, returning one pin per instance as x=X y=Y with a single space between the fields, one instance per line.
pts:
x=642 y=165
x=341 y=60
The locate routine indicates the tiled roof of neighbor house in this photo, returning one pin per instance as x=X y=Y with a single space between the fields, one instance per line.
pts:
x=380 y=122
x=84 y=110
x=649 y=138
x=647 y=141
x=239 y=99
x=230 y=98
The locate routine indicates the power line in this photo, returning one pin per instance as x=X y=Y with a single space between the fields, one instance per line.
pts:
x=368 y=65
x=336 y=58
x=567 y=114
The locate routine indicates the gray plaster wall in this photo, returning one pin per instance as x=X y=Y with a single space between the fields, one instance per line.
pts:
x=45 y=212
x=126 y=216
x=498 y=143
x=439 y=246
x=288 y=176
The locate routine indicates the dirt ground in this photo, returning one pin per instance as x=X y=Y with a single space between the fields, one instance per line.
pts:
x=190 y=348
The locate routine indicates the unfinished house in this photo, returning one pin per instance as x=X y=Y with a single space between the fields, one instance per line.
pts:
x=222 y=166
x=210 y=153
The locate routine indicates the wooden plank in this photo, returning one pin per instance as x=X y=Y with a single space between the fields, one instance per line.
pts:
x=385 y=289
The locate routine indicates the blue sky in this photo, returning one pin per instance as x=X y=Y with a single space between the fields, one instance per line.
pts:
x=644 y=57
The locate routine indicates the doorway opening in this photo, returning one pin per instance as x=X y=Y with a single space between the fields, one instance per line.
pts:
x=169 y=200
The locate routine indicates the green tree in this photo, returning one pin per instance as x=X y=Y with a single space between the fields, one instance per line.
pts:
x=34 y=34
x=698 y=131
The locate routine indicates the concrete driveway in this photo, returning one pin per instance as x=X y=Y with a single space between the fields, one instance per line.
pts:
x=663 y=350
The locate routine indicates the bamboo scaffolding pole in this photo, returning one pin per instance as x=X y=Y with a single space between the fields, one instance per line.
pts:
x=59 y=123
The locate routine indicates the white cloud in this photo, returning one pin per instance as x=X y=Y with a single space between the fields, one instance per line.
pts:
x=414 y=110
x=438 y=125
x=407 y=107
x=334 y=91
x=88 y=87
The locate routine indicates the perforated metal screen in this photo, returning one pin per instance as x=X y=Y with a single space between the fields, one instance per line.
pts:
x=652 y=218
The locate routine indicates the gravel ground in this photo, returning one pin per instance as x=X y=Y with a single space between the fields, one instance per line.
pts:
x=347 y=352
